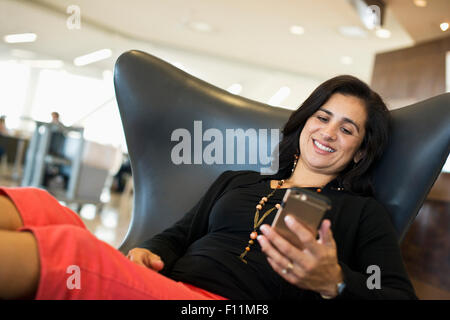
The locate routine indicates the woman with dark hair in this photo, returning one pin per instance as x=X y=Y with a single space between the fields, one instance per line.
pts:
x=356 y=176
x=224 y=247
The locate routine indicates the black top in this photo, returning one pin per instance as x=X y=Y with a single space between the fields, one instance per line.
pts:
x=208 y=257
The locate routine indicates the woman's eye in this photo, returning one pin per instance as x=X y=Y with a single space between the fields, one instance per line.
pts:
x=346 y=131
x=323 y=119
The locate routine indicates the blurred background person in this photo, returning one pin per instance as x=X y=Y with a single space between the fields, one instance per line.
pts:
x=56 y=120
x=4 y=132
x=3 y=129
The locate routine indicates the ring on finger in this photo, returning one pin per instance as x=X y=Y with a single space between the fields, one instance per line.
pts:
x=288 y=268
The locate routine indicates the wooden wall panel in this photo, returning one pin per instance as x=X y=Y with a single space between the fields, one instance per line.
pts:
x=441 y=188
x=411 y=74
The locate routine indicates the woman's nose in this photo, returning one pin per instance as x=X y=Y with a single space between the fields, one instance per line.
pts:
x=329 y=132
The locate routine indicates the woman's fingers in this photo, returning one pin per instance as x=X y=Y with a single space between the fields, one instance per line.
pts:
x=271 y=252
x=311 y=267
x=136 y=258
x=156 y=263
x=286 y=268
x=286 y=273
x=303 y=233
x=326 y=235
x=279 y=242
x=281 y=250
x=145 y=258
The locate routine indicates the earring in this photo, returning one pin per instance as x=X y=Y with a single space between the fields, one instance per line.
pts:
x=358 y=158
x=296 y=156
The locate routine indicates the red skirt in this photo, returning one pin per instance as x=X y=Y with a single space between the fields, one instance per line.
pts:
x=74 y=264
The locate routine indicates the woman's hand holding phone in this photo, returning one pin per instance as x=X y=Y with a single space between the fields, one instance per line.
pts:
x=314 y=267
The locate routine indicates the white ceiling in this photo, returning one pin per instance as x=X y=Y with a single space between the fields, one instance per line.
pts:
x=254 y=32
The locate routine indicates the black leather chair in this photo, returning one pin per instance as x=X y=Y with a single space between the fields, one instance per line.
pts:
x=155 y=98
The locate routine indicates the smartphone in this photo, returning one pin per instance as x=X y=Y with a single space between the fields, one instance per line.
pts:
x=306 y=206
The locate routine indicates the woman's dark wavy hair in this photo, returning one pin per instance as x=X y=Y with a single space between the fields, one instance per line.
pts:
x=355 y=177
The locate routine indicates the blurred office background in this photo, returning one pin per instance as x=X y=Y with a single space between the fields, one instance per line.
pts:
x=59 y=55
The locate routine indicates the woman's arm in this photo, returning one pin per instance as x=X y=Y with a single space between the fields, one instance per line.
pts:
x=316 y=266
x=313 y=267
x=173 y=242
x=378 y=271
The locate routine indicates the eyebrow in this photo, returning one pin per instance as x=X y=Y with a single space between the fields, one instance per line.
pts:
x=344 y=118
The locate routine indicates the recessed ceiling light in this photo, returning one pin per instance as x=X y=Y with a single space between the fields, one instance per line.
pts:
x=420 y=3
x=92 y=57
x=200 y=26
x=353 y=31
x=346 y=60
x=383 y=33
x=444 y=26
x=235 y=88
x=297 y=30
x=279 y=96
x=20 y=37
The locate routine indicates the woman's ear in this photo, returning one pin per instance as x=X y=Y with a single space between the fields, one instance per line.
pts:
x=359 y=155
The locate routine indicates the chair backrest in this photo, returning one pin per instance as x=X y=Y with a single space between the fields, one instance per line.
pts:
x=155 y=99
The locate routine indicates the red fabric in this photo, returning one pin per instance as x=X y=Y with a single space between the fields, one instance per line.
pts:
x=104 y=272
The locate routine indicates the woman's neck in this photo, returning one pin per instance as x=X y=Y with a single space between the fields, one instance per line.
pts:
x=304 y=178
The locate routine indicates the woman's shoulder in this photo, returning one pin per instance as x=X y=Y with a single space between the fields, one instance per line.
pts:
x=367 y=199
x=371 y=210
x=363 y=205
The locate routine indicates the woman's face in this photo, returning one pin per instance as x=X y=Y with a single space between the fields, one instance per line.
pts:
x=332 y=136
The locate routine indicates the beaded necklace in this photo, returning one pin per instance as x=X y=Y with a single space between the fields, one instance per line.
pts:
x=257 y=221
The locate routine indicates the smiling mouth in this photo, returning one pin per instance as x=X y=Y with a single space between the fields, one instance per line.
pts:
x=322 y=147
